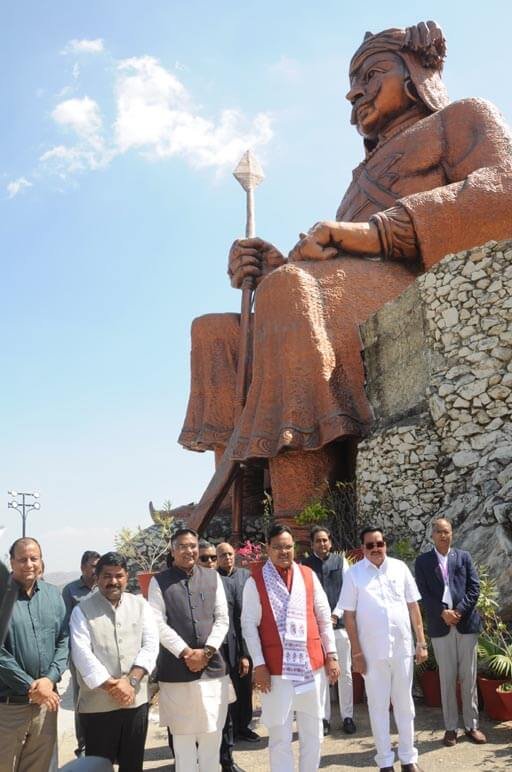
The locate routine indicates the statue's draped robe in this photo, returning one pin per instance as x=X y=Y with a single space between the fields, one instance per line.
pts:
x=443 y=183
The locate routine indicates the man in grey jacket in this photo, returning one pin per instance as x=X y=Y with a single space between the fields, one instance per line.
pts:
x=114 y=646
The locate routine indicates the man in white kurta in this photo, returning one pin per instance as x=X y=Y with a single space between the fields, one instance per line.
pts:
x=276 y=644
x=379 y=598
x=192 y=617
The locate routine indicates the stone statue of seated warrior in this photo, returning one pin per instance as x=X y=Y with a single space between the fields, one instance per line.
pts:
x=436 y=179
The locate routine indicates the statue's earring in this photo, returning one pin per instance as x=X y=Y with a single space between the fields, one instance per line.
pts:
x=410 y=90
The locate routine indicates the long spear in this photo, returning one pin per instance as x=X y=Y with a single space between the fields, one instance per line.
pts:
x=228 y=472
x=249 y=174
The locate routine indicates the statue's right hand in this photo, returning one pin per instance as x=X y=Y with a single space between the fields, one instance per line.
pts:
x=254 y=258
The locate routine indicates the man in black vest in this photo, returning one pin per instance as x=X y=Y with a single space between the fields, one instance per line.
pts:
x=330 y=567
x=192 y=615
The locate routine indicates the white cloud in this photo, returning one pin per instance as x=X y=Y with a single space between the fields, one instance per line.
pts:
x=81 y=115
x=84 y=46
x=155 y=113
x=16 y=186
x=76 y=71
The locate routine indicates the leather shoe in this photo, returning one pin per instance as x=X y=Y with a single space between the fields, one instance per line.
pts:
x=476 y=736
x=411 y=768
x=248 y=736
x=327 y=727
x=450 y=738
x=386 y=769
x=348 y=726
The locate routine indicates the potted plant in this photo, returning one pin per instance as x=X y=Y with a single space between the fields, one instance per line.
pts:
x=428 y=677
x=145 y=548
x=504 y=693
x=494 y=654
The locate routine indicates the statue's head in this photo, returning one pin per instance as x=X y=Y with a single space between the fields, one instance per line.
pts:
x=392 y=70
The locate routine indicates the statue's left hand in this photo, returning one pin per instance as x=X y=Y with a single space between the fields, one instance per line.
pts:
x=327 y=239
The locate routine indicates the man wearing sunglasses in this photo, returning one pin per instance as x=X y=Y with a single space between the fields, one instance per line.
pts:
x=379 y=599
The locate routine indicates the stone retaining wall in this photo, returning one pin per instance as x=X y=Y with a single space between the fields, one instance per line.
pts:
x=439 y=372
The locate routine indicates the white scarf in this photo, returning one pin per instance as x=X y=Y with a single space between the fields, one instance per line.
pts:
x=290 y=614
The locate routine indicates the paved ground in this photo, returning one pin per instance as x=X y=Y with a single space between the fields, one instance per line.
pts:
x=340 y=752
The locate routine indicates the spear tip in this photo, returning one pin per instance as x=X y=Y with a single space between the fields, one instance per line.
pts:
x=248 y=171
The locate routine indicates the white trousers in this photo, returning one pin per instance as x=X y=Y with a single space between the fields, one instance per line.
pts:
x=203 y=758
x=390 y=680
x=345 y=689
x=310 y=731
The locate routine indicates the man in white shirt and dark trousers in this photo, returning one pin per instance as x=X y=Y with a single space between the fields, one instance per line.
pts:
x=379 y=598
x=450 y=587
x=114 y=646
x=330 y=567
x=190 y=606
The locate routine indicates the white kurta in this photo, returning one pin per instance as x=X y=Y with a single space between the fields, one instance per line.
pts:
x=194 y=707
x=282 y=698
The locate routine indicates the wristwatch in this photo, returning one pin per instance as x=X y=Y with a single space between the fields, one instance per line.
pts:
x=209 y=651
x=133 y=681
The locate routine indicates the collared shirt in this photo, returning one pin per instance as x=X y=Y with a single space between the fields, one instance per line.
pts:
x=379 y=596
x=251 y=618
x=92 y=670
x=443 y=566
x=169 y=638
x=37 y=641
x=74 y=592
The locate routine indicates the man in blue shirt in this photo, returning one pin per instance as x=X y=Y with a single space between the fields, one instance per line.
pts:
x=32 y=660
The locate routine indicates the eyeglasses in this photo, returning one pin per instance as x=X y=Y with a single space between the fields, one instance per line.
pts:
x=208 y=558
x=371 y=545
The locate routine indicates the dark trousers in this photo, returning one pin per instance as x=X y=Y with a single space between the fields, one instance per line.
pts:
x=226 y=746
x=118 y=735
x=241 y=710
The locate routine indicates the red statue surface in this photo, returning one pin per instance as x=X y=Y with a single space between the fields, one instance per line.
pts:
x=436 y=179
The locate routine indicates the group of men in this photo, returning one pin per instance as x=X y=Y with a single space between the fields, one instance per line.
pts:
x=296 y=627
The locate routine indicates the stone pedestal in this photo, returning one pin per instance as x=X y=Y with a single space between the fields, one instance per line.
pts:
x=439 y=377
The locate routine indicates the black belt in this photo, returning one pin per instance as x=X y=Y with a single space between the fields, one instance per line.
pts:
x=14 y=700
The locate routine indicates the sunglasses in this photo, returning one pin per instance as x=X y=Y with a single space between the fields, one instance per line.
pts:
x=207 y=558
x=371 y=545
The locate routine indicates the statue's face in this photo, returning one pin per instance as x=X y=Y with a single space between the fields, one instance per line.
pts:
x=377 y=93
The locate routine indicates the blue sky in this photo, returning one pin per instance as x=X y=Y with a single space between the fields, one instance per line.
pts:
x=121 y=124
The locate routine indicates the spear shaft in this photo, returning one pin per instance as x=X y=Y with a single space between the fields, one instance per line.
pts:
x=249 y=174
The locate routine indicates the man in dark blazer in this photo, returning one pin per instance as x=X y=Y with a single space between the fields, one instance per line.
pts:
x=449 y=588
x=330 y=567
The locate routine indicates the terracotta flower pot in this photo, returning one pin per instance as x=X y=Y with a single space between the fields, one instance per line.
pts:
x=506 y=702
x=492 y=703
x=431 y=688
x=144 y=578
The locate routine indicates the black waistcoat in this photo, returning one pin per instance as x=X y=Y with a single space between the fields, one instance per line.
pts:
x=189 y=604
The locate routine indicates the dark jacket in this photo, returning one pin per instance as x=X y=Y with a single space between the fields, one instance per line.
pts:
x=189 y=604
x=234 y=647
x=464 y=587
x=330 y=574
